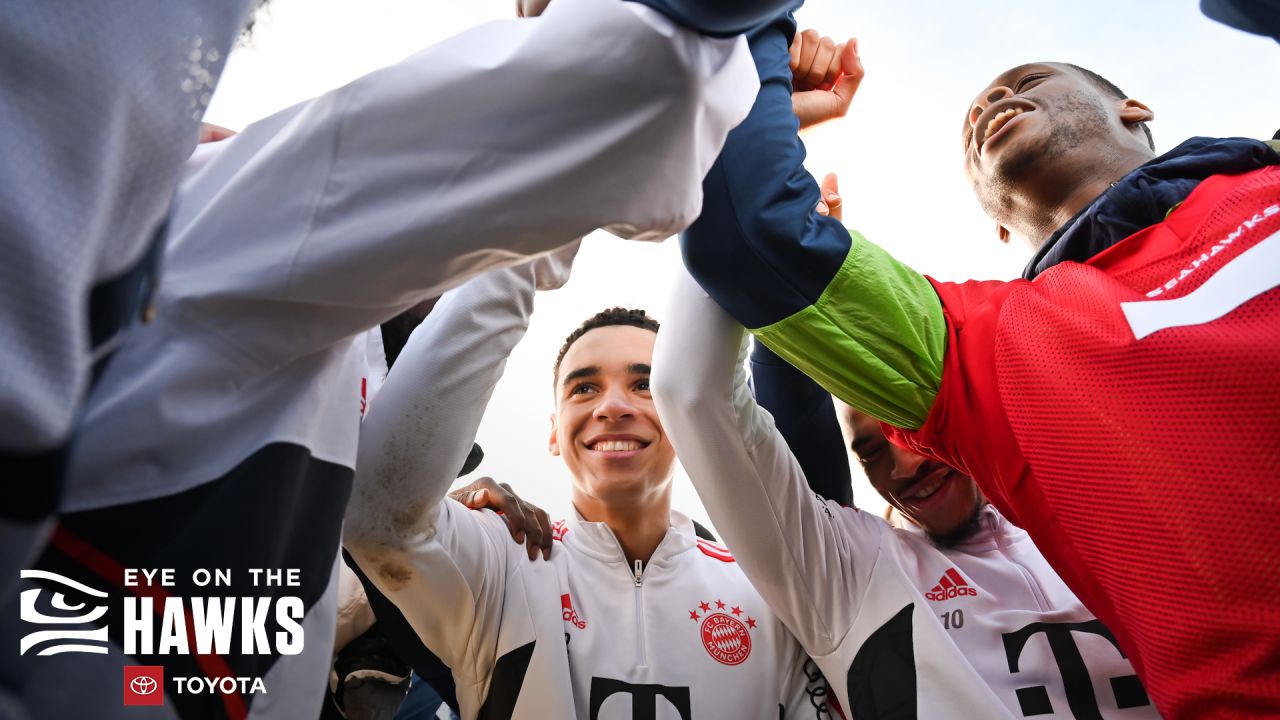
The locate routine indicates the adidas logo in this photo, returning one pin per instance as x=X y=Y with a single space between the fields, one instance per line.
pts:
x=950 y=586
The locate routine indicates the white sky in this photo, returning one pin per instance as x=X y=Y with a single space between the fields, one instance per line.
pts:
x=897 y=153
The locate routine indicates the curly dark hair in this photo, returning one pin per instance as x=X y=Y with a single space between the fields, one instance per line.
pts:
x=634 y=317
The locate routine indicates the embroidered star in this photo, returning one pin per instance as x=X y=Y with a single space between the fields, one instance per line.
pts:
x=693 y=615
x=719 y=605
x=736 y=610
x=705 y=607
x=751 y=623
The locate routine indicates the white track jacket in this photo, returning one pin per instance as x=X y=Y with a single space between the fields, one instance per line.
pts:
x=584 y=635
x=901 y=628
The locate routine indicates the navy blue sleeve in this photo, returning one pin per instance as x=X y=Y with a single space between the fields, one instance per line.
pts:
x=759 y=248
x=722 y=18
x=1260 y=17
x=804 y=415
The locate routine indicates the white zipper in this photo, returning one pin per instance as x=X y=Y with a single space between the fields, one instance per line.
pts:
x=640 y=637
x=1026 y=574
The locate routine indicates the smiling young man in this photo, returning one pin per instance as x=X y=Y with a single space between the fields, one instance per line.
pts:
x=633 y=616
x=1110 y=403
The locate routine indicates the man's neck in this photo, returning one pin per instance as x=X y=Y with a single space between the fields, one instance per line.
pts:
x=639 y=527
x=1055 y=202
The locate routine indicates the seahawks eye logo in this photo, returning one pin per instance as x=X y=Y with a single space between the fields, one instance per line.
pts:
x=64 y=612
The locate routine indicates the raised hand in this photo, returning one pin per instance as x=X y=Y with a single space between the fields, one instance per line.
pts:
x=825 y=77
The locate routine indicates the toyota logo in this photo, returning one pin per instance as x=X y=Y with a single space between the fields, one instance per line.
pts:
x=143 y=685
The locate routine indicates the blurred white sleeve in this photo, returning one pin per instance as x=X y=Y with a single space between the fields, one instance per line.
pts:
x=443 y=565
x=509 y=140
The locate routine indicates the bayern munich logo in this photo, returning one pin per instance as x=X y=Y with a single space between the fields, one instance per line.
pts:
x=726 y=638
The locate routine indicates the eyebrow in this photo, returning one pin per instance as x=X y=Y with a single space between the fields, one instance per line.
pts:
x=864 y=446
x=581 y=372
x=593 y=370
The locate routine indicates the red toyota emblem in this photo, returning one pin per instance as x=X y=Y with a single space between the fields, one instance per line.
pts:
x=726 y=639
x=143 y=684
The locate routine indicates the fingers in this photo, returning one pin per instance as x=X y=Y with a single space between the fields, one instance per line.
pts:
x=477 y=499
x=528 y=524
x=815 y=61
x=467 y=495
x=824 y=56
x=851 y=65
x=834 y=68
x=544 y=525
x=808 y=49
x=530 y=532
x=831 y=197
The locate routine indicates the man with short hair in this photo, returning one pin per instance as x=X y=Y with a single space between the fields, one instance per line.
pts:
x=633 y=616
x=1123 y=392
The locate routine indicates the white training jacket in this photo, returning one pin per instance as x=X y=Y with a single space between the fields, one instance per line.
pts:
x=584 y=635
x=100 y=104
x=325 y=219
x=899 y=627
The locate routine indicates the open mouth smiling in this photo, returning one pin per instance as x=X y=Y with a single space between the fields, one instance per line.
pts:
x=924 y=490
x=616 y=444
x=997 y=119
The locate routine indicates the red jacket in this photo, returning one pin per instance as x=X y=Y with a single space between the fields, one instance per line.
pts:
x=1126 y=412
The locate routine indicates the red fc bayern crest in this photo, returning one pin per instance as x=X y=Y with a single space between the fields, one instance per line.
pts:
x=726 y=638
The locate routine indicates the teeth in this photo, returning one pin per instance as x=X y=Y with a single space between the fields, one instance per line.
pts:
x=1000 y=119
x=925 y=491
x=616 y=446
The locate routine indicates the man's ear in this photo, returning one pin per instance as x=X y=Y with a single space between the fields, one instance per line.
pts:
x=1002 y=232
x=553 y=444
x=1134 y=112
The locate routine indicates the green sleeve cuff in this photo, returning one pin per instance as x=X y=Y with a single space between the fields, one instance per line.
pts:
x=875 y=338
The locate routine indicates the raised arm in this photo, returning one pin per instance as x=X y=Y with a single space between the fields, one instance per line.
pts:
x=866 y=327
x=443 y=565
x=809 y=558
x=806 y=419
x=599 y=113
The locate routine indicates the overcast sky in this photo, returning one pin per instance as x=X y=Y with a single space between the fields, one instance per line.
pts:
x=898 y=153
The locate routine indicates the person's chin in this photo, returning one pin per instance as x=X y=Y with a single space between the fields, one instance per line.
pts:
x=956 y=531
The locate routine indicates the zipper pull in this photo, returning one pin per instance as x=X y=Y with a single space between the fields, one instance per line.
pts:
x=639 y=572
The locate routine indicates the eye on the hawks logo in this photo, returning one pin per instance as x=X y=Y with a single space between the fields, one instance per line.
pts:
x=724 y=634
x=69 y=605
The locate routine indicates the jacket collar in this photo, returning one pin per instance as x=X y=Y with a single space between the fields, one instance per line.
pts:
x=1145 y=196
x=597 y=539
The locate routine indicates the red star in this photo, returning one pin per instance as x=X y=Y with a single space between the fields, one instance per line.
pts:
x=737 y=610
x=705 y=607
x=693 y=615
x=719 y=605
x=751 y=623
